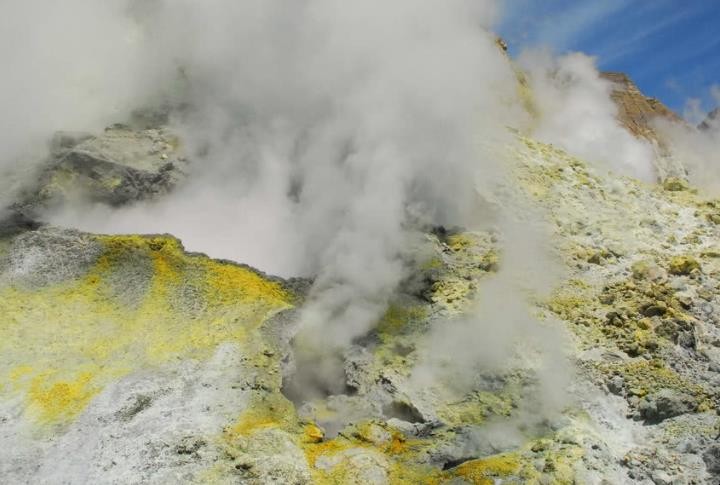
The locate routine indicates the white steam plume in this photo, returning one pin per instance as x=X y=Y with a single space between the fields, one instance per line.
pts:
x=319 y=131
x=697 y=148
x=66 y=64
x=502 y=331
x=323 y=123
x=693 y=111
x=577 y=113
x=309 y=110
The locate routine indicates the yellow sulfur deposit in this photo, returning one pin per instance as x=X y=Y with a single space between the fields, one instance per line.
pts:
x=272 y=411
x=59 y=400
x=486 y=471
x=61 y=344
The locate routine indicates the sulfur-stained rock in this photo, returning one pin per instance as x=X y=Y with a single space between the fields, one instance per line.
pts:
x=683 y=265
x=647 y=270
x=107 y=338
x=675 y=184
x=355 y=466
x=272 y=456
x=121 y=166
x=666 y=404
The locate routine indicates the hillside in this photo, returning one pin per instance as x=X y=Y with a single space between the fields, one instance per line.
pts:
x=569 y=335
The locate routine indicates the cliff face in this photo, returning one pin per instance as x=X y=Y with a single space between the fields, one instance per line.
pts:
x=635 y=110
x=638 y=113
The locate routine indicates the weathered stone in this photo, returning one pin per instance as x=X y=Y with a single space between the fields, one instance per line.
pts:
x=660 y=477
x=120 y=166
x=64 y=141
x=675 y=184
x=648 y=270
x=683 y=265
x=616 y=385
x=711 y=457
x=213 y=410
x=654 y=309
x=666 y=404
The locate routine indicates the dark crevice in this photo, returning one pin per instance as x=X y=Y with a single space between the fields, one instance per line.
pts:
x=457 y=462
x=403 y=411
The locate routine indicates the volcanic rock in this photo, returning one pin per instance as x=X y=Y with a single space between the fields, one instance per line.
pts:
x=120 y=166
x=637 y=113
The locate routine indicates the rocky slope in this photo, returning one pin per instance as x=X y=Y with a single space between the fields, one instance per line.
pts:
x=126 y=359
x=637 y=111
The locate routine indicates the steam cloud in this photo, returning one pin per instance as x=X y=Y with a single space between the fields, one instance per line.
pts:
x=693 y=112
x=577 y=114
x=502 y=330
x=697 y=144
x=73 y=64
x=326 y=129
x=321 y=132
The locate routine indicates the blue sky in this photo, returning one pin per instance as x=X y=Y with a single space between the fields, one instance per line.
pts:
x=671 y=48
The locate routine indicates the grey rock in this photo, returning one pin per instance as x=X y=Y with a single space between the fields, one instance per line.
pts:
x=688 y=446
x=711 y=457
x=616 y=385
x=48 y=255
x=660 y=477
x=666 y=404
x=687 y=340
x=414 y=429
x=13 y=223
x=120 y=166
x=112 y=182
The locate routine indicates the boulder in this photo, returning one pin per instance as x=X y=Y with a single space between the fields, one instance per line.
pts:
x=711 y=457
x=666 y=404
x=120 y=166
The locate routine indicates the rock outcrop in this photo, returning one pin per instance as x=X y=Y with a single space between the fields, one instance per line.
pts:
x=638 y=113
x=139 y=358
x=120 y=166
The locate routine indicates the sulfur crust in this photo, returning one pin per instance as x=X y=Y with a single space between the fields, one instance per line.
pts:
x=60 y=345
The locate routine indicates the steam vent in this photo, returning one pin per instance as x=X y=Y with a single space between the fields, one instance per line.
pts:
x=277 y=243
